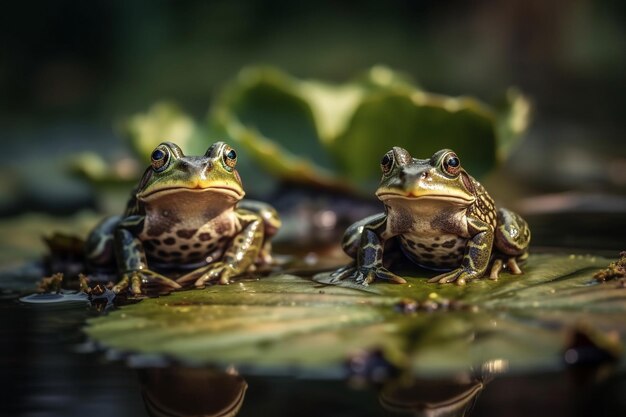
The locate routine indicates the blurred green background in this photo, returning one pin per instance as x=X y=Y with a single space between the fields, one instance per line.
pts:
x=70 y=70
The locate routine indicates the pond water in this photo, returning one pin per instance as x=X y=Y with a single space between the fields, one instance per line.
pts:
x=44 y=373
x=48 y=368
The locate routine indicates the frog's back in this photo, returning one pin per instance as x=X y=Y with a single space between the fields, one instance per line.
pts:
x=483 y=208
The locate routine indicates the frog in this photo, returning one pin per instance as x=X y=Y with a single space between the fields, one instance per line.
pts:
x=187 y=215
x=440 y=218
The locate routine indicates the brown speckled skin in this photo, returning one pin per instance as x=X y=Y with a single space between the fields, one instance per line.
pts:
x=442 y=218
x=186 y=214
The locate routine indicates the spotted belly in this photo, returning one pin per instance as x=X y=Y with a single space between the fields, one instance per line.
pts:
x=435 y=252
x=185 y=248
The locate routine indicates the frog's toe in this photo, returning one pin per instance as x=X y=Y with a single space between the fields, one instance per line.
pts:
x=143 y=277
x=496 y=267
x=365 y=276
x=135 y=284
x=445 y=278
x=135 y=279
x=458 y=275
x=121 y=285
x=352 y=273
x=191 y=276
x=130 y=281
x=344 y=273
x=513 y=267
x=204 y=278
x=361 y=278
x=200 y=277
x=220 y=274
x=385 y=274
x=499 y=265
x=161 y=280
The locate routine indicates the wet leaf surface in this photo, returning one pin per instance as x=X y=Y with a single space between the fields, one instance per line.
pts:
x=286 y=323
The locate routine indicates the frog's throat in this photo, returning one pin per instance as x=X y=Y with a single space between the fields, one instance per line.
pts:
x=171 y=192
x=458 y=199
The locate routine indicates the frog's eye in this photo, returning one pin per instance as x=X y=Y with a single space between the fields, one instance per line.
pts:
x=230 y=157
x=160 y=157
x=386 y=163
x=451 y=164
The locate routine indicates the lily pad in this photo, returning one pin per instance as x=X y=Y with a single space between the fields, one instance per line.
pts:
x=285 y=323
x=310 y=131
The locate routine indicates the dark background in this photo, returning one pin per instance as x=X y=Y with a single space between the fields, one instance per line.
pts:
x=69 y=70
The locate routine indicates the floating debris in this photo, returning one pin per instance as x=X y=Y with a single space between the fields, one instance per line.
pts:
x=53 y=289
x=615 y=270
x=51 y=284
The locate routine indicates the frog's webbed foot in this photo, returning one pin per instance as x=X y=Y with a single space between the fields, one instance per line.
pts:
x=366 y=276
x=344 y=272
x=460 y=276
x=217 y=272
x=133 y=280
x=498 y=265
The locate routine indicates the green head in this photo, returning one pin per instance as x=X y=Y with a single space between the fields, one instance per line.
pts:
x=171 y=172
x=440 y=177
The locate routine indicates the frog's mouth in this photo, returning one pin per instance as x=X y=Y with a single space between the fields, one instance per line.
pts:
x=233 y=193
x=450 y=198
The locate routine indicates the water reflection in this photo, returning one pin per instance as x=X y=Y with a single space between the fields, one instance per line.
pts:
x=430 y=398
x=182 y=391
x=179 y=391
x=453 y=396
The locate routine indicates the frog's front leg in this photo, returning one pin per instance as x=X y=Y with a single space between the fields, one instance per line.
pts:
x=476 y=258
x=368 y=264
x=131 y=259
x=238 y=257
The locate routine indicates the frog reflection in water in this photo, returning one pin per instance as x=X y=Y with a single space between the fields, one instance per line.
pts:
x=185 y=214
x=442 y=219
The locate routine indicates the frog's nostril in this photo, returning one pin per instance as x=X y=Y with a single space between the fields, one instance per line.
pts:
x=206 y=168
x=184 y=165
x=424 y=175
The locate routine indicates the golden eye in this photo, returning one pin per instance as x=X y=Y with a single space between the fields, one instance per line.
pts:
x=160 y=157
x=452 y=164
x=230 y=157
x=386 y=163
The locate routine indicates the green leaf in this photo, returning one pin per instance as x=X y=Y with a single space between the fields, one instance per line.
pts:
x=419 y=122
x=164 y=121
x=512 y=119
x=319 y=133
x=289 y=323
x=267 y=100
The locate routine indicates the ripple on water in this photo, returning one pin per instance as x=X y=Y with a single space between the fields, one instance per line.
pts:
x=56 y=298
